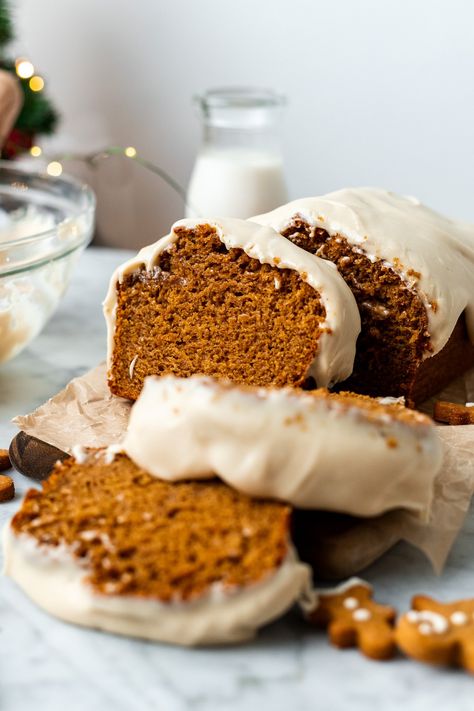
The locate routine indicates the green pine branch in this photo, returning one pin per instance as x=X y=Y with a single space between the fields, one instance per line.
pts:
x=37 y=116
x=6 y=25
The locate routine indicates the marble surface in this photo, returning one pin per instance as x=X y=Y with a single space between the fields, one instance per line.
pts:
x=48 y=665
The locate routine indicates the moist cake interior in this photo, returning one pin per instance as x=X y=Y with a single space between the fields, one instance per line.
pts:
x=141 y=536
x=394 y=336
x=206 y=309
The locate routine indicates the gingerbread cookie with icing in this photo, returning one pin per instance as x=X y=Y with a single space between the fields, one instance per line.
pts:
x=438 y=633
x=354 y=619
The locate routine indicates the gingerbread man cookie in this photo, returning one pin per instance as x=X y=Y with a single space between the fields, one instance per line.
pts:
x=453 y=414
x=438 y=633
x=7 y=488
x=353 y=619
x=5 y=462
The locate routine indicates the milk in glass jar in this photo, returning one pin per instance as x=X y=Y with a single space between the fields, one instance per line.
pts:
x=239 y=168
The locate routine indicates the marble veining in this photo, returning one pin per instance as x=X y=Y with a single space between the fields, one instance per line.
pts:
x=47 y=665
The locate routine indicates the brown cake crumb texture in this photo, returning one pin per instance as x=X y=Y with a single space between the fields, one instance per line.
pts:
x=394 y=336
x=372 y=409
x=141 y=536
x=209 y=310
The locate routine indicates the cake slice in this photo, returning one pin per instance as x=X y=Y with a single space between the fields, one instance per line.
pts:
x=314 y=450
x=232 y=299
x=104 y=544
x=411 y=272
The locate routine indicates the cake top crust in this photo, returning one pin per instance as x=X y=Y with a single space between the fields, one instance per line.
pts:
x=339 y=331
x=432 y=253
x=316 y=450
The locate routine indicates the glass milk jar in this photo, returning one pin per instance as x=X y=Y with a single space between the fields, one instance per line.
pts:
x=239 y=168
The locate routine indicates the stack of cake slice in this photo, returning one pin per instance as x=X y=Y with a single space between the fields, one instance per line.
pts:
x=182 y=531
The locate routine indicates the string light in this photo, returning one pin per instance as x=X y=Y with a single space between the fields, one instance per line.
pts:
x=24 y=68
x=35 y=151
x=54 y=168
x=36 y=83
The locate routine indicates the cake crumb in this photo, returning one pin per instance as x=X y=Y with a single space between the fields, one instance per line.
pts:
x=132 y=367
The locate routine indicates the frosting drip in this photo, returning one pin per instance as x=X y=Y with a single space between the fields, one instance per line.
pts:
x=336 y=349
x=432 y=253
x=283 y=444
x=56 y=582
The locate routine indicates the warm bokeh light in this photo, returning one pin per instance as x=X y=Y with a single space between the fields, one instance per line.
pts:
x=54 y=168
x=35 y=151
x=24 y=69
x=36 y=83
x=130 y=152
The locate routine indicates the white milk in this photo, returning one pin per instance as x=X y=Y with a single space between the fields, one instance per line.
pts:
x=235 y=182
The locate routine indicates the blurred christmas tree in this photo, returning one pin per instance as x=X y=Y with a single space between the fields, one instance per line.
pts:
x=37 y=115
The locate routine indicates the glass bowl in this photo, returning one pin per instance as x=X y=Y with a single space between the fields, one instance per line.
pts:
x=45 y=223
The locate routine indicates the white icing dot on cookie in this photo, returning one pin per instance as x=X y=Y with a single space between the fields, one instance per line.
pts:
x=362 y=614
x=459 y=618
x=429 y=622
x=351 y=603
x=425 y=628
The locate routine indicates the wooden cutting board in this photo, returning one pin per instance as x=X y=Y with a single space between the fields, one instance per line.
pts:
x=32 y=457
x=335 y=545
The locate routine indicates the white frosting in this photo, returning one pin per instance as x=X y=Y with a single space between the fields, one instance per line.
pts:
x=362 y=614
x=459 y=618
x=29 y=297
x=342 y=588
x=391 y=400
x=429 y=622
x=80 y=453
x=336 y=349
x=351 y=603
x=55 y=581
x=280 y=443
x=24 y=222
x=408 y=236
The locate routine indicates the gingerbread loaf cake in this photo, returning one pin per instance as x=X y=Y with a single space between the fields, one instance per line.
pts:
x=228 y=298
x=106 y=545
x=315 y=450
x=411 y=272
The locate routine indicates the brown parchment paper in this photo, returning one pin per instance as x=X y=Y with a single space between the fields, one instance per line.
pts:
x=86 y=413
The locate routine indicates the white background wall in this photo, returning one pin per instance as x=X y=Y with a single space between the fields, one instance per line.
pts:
x=381 y=92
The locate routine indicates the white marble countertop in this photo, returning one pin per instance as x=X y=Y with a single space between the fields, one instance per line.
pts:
x=47 y=665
